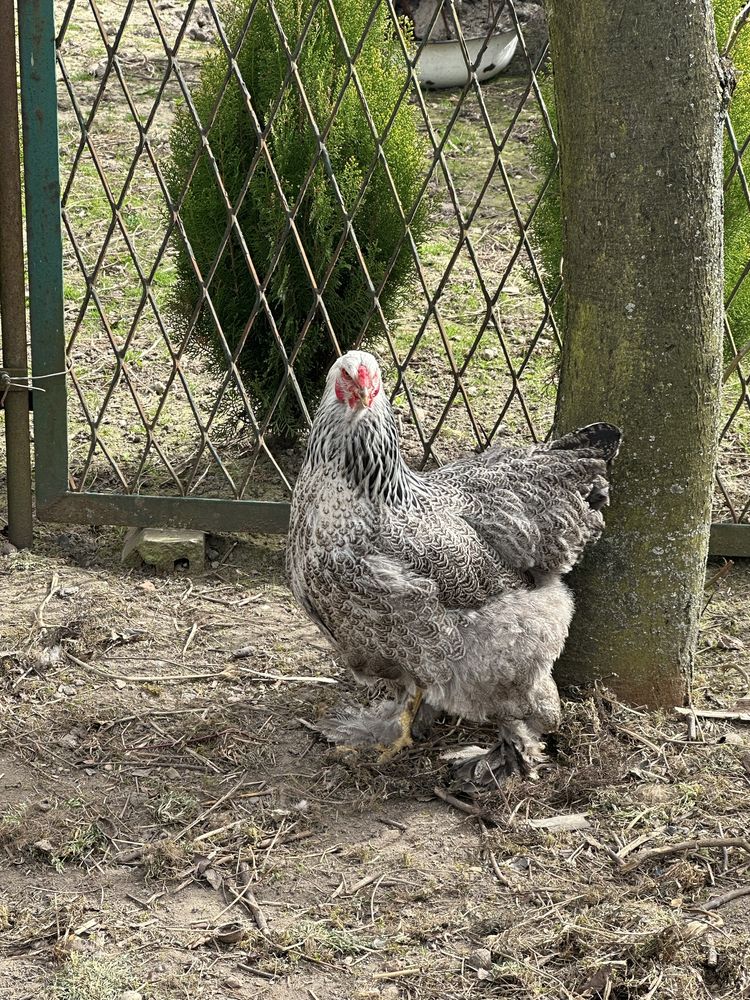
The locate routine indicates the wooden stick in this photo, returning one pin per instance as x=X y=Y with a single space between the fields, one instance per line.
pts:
x=717 y=901
x=248 y=898
x=498 y=873
x=685 y=846
x=716 y=713
x=286 y=678
x=734 y=29
x=281 y=841
x=413 y=970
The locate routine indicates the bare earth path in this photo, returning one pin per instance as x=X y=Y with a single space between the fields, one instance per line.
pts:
x=148 y=777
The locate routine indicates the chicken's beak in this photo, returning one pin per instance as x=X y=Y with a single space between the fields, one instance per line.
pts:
x=365 y=396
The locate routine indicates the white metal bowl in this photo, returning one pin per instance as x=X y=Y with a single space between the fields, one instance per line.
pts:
x=442 y=64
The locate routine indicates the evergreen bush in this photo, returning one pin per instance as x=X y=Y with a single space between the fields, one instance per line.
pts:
x=292 y=145
x=547 y=224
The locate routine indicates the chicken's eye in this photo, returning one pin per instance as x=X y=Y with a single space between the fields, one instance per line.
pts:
x=345 y=374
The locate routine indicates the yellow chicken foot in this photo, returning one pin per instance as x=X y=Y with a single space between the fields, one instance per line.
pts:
x=406 y=720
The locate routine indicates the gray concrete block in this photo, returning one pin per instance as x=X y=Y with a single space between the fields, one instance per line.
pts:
x=165 y=549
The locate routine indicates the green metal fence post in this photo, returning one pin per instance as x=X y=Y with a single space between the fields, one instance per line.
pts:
x=36 y=42
x=13 y=293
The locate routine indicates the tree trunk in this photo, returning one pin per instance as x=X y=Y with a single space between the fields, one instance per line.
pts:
x=639 y=99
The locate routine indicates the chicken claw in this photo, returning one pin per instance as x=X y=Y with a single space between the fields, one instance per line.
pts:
x=406 y=720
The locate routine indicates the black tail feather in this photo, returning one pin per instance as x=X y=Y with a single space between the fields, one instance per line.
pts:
x=603 y=439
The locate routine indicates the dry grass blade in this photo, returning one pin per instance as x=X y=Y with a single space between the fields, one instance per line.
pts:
x=148 y=678
x=413 y=970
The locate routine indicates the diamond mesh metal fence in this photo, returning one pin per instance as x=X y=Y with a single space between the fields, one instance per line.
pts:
x=470 y=351
x=733 y=481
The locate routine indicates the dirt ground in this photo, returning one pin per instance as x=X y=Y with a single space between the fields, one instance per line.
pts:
x=149 y=770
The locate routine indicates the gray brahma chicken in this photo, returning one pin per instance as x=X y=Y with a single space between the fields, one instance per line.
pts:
x=445 y=584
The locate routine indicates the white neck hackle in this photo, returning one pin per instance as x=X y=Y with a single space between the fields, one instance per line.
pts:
x=360 y=443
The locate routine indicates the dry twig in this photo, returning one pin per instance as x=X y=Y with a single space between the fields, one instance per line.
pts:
x=211 y=808
x=465 y=807
x=247 y=898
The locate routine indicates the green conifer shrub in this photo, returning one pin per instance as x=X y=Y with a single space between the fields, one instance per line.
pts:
x=292 y=145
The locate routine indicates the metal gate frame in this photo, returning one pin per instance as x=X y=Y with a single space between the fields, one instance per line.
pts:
x=55 y=501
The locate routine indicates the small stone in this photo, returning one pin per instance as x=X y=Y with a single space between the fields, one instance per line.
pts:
x=44 y=846
x=131 y=995
x=68 y=689
x=233 y=983
x=165 y=548
x=6 y=547
x=489 y=353
x=69 y=740
x=212 y=554
x=480 y=958
x=199 y=35
x=120 y=684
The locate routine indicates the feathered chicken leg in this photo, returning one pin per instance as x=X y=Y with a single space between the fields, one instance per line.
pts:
x=406 y=721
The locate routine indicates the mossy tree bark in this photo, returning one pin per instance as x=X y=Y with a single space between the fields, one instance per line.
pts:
x=639 y=90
